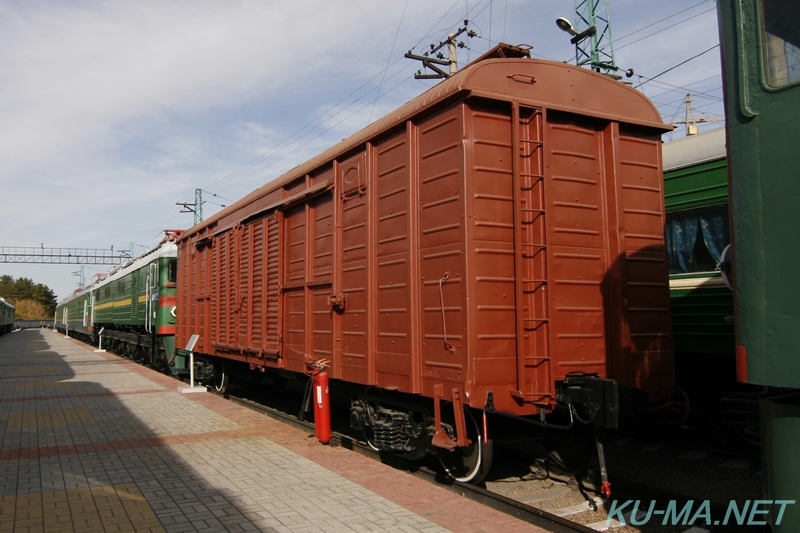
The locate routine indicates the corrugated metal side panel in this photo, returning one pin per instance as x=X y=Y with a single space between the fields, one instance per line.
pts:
x=211 y=281
x=244 y=257
x=394 y=351
x=202 y=276
x=576 y=245
x=650 y=365
x=321 y=235
x=442 y=248
x=490 y=201
x=273 y=250
x=190 y=310
x=257 y=286
x=220 y=290
x=294 y=298
x=355 y=274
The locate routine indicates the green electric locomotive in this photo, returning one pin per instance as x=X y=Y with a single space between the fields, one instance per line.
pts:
x=132 y=309
x=761 y=63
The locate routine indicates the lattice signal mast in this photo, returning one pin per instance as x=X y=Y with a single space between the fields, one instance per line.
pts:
x=593 y=45
x=196 y=207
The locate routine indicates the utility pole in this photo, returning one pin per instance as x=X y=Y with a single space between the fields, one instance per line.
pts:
x=196 y=207
x=433 y=58
x=689 y=119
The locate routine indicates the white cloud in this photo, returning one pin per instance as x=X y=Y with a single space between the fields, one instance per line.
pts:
x=110 y=112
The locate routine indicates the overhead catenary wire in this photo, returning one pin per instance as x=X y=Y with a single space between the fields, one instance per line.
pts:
x=315 y=137
x=664 y=29
x=618 y=47
x=297 y=135
x=623 y=37
x=679 y=64
x=481 y=6
x=315 y=120
x=388 y=60
x=254 y=167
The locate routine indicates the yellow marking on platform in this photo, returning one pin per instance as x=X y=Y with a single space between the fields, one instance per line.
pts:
x=39 y=386
x=99 y=508
x=49 y=418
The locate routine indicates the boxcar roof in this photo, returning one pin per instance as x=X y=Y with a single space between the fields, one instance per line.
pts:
x=694 y=149
x=547 y=84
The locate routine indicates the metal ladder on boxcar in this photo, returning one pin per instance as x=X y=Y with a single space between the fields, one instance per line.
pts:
x=534 y=383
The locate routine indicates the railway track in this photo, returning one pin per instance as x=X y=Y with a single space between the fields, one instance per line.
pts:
x=555 y=501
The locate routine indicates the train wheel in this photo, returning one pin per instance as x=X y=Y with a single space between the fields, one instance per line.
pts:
x=369 y=434
x=469 y=464
x=220 y=377
x=677 y=409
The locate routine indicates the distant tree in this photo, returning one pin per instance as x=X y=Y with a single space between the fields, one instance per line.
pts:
x=25 y=289
x=7 y=287
x=30 y=310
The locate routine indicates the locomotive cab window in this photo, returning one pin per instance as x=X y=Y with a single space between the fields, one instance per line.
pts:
x=695 y=239
x=781 y=41
x=172 y=270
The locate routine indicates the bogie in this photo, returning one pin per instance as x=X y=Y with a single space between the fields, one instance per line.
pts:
x=408 y=429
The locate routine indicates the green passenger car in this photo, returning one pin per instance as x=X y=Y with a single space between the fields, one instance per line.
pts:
x=73 y=315
x=696 y=198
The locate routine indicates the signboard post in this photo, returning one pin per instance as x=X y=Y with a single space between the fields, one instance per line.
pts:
x=189 y=348
x=100 y=344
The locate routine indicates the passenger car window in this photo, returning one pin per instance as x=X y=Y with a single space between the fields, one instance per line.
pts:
x=696 y=238
x=172 y=270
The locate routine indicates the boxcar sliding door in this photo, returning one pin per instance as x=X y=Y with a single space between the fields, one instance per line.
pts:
x=307 y=282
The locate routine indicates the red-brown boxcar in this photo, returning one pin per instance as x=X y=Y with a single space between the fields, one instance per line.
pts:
x=495 y=243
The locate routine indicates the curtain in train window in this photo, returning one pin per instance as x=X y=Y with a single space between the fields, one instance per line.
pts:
x=696 y=238
x=781 y=19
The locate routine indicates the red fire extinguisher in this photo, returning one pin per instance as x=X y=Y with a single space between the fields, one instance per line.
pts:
x=322 y=406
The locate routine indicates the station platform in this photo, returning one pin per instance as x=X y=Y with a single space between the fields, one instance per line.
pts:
x=96 y=443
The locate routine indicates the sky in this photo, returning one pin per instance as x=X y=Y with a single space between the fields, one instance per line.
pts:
x=111 y=111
